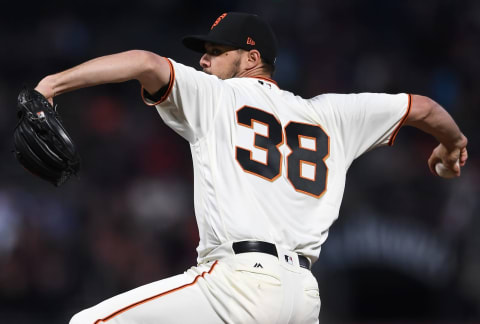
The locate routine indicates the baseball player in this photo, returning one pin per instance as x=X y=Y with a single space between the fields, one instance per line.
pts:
x=269 y=172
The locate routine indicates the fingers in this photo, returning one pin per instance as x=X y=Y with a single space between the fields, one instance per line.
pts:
x=453 y=159
x=433 y=160
x=450 y=160
x=432 y=169
x=456 y=168
x=463 y=156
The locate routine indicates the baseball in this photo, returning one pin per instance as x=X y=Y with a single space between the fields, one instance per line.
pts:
x=444 y=172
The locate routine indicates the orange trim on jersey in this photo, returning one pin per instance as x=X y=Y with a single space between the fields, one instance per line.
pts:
x=266 y=79
x=109 y=317
x=395 y=132
x=169 y=89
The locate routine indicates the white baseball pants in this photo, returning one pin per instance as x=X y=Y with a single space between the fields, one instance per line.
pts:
x=244 y=288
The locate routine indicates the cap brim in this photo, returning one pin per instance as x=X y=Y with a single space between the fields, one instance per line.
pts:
x=197 y=42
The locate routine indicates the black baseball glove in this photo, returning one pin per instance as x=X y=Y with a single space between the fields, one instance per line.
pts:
x=42 y=145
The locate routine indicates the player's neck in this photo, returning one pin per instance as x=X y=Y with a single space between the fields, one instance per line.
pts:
x=257 y=71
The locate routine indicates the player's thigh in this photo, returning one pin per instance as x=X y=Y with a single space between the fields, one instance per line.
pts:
x=176 y=299
x=185 y=305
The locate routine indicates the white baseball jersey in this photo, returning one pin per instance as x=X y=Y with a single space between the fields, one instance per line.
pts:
x=269 y=165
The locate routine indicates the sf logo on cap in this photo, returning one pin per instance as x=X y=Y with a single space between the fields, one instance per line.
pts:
x=219 y=19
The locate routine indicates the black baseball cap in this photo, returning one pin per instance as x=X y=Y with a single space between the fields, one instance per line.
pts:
x=240 y=30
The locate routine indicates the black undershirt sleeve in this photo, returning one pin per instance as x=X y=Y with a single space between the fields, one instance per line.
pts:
x=157 y=95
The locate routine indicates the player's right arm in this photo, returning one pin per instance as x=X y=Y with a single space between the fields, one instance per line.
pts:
x=430 y=117
x=151 y=70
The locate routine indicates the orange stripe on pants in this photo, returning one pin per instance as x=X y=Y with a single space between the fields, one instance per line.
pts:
x=109 y=317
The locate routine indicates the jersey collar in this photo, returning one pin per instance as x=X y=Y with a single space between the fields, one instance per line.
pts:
x=265 y=79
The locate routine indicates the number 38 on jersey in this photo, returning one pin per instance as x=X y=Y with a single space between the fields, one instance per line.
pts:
x=309 y=146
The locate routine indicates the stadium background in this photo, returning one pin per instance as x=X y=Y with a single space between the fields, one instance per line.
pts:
x=406 y=248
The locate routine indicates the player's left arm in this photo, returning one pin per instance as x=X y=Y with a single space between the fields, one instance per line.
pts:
x=428 y=116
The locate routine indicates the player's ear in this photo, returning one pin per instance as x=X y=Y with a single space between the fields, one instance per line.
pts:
x=253 y=58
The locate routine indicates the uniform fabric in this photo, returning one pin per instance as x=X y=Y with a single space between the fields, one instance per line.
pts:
x=295 y=192
x=268 y=166
x=244 y=288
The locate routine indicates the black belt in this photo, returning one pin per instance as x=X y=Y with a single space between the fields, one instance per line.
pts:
x=264 y=247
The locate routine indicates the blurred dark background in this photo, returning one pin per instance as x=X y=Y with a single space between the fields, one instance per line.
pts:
x=406 y=248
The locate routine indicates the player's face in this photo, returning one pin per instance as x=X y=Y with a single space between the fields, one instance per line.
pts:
x=221 y=60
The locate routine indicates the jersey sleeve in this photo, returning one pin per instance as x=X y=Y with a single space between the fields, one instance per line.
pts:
x=364 y=121
x=190 y=102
